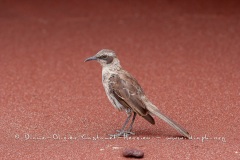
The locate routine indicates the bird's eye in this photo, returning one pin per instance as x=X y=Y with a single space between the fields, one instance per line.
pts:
x=103 y=57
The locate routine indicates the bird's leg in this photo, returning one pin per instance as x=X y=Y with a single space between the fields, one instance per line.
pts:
x=133 y=119
x=126 y=122
x=122 y=132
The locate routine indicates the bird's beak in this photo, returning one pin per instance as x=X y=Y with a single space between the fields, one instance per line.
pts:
x=91 y=58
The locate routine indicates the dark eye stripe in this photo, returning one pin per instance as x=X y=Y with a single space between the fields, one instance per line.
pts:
x=103 y=57
x=109 y=59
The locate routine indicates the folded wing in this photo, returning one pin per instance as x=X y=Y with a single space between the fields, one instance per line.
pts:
x=128 y=93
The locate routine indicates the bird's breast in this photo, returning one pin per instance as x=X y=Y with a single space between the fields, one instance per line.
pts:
x=106 y=75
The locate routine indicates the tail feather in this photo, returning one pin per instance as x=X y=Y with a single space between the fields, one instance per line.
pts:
x=154 y=110
x=149 y=118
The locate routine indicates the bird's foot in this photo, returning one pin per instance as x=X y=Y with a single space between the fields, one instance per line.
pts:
x=129 y=132
x=122 y=133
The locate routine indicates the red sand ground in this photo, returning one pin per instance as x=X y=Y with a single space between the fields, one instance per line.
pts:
x=186 y=55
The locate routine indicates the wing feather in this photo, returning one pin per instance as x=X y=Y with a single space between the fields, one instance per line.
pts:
x=128 y=92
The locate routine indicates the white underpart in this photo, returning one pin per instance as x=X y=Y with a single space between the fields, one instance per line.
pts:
x=107 y=72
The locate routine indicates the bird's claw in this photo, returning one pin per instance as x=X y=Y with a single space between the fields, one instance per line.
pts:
x=121 y=133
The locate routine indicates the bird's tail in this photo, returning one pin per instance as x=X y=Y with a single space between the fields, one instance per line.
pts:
x=154 y=110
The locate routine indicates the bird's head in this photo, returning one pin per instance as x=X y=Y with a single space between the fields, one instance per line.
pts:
x=105 y=57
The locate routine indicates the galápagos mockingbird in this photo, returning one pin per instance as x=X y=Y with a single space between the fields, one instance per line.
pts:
x=124 y=92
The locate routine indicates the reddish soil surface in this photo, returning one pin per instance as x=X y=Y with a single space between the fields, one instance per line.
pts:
x=185 y=54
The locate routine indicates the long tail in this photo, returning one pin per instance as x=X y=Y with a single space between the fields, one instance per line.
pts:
x=154 y=110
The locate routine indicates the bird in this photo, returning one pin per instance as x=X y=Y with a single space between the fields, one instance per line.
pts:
x=125 y=94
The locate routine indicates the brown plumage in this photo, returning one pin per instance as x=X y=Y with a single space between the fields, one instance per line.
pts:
x=127 y=91
x=124 y=92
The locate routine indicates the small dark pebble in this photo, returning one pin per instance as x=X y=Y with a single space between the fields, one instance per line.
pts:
x=133 y=153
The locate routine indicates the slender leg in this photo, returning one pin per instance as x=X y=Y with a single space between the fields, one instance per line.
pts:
x=133 y=119
x=126 y=122
x=122 y=132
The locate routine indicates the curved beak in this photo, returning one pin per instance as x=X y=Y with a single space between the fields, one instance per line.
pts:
x=91 y=58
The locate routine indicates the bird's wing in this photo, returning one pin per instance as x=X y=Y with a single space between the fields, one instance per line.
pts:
x=128 y=92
